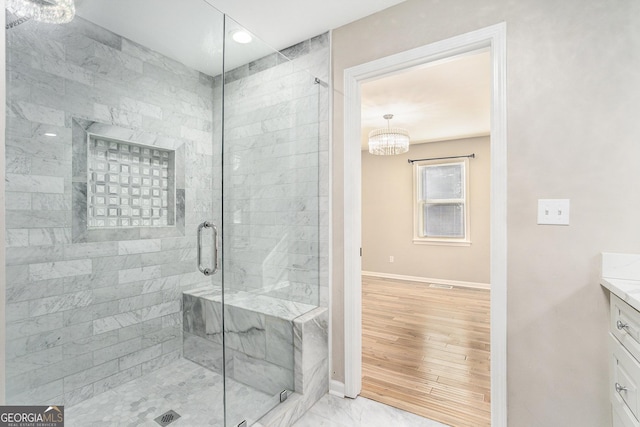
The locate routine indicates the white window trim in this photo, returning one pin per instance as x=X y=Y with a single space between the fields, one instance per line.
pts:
x=417 y=217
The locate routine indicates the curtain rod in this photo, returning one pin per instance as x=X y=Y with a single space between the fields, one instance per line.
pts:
x=472 y=156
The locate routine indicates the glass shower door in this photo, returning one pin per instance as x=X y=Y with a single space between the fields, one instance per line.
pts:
x=270 y=219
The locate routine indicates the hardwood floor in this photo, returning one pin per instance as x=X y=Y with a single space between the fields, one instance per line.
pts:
x=427 y=350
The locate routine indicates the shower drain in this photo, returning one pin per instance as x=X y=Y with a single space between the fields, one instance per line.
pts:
x=167 y=418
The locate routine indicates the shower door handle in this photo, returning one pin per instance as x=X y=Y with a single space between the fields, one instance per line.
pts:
x=204 y=270
x=215 y=249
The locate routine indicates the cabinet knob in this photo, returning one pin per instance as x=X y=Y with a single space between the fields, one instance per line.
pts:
x=620 y=388
x=621 y=325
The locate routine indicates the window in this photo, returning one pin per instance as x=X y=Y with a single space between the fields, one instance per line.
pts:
x=441 y=208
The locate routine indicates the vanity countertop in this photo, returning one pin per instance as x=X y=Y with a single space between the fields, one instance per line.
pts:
x=626 y=290
x=621 y=276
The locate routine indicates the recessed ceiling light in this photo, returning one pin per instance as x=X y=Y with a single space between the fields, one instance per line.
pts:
x=50 y=134
x=241 y=36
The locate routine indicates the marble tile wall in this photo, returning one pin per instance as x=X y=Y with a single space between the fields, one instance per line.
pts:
x=276 y=139
x=83 y=317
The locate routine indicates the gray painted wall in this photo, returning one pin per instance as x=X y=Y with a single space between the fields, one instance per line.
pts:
x=572 y=84
x=388 y=219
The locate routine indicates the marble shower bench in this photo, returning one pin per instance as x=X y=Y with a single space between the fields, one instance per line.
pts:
x=272 y=344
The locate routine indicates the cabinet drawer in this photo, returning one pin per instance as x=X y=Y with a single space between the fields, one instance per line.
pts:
x=625 y=325
x=623 y=383
x=622 y=417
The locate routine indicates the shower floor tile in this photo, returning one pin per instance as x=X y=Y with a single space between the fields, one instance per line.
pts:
x=194 y=392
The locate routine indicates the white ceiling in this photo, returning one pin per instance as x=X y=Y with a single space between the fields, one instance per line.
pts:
x=190 y=30
x=444 y=100
x=283 y=23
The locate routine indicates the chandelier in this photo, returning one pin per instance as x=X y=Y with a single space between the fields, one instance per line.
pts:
x=49 y=11
x=388 y=141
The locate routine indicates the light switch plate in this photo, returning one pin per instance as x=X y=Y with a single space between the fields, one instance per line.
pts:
x=553 y=211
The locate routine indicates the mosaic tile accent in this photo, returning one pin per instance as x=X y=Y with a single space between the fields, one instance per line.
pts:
x=119 y=190
x=128 y=184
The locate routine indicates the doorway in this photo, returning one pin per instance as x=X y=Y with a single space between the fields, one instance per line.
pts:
x=494 y=39
x=425 y=301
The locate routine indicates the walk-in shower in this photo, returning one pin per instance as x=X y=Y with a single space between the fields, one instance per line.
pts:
x=166 y=218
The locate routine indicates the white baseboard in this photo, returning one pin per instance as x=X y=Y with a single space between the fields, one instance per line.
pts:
x=336 y=388
x=475 y=285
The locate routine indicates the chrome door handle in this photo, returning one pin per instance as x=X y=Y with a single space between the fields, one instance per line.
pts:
x=620 y=388
x=204 y=270
x=215 y=248
x=621 y=325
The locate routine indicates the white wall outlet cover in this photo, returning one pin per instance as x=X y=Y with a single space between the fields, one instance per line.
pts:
x=553 y=211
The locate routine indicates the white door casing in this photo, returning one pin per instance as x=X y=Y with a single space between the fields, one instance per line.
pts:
x=494 y=38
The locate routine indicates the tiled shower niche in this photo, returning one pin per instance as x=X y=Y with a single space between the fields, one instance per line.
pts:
x=129 y=185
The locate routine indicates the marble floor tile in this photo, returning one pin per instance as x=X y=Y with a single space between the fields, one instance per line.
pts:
x=196 y=393
x=332 y=411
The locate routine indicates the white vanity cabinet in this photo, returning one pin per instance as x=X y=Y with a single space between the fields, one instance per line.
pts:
x=624 y=370
x=621 y=277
